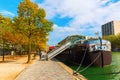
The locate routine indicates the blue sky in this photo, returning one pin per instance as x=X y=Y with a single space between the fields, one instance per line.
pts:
x=71 y=17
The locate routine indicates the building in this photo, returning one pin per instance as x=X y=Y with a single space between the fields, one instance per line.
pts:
x=111 y=28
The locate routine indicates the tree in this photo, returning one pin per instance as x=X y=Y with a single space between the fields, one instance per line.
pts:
x=31 y=22
x=118 y=40
x=114 y=39
x=5 y=27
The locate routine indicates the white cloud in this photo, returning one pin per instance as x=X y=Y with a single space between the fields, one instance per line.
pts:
x=7 y=13
x=60 y=33
x=51 y=7
x=84 y=13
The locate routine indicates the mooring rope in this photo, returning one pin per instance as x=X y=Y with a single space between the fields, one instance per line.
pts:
x=81 y=61
x=90 y=64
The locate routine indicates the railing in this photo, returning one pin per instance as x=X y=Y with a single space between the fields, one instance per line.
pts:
x=58 y=50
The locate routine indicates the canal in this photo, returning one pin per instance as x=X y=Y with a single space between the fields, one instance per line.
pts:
x=111 y=72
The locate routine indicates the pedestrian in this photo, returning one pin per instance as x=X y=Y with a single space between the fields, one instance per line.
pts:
x=40 y=53
x=46 y=55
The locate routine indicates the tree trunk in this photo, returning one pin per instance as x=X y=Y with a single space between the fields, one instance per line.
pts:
x=3 y=52
x=29 y=50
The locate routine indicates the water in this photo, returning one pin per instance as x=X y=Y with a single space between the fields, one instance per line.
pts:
x=111 y=72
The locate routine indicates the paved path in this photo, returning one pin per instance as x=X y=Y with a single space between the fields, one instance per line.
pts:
x=45 y=70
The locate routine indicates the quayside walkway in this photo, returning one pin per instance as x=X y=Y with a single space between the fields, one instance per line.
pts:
x=45 y=70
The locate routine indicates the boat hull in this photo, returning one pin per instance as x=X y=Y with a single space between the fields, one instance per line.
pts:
x=78 y=56
x=100 y=58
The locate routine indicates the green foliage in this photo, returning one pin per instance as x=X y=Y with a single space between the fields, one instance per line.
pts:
x=118 y=40
x=31 y=23
x=114 y=39
x=31 y=20
x=5 y=27
x=28 y=28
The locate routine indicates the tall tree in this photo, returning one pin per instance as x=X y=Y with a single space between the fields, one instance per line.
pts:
x=31 y=22
x=4 y=28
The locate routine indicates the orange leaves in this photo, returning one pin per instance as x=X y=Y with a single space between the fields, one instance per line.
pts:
x=14 y=38
x=31 y=22
x=42 y=46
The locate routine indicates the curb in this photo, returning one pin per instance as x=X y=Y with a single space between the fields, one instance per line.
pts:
x=69 y=70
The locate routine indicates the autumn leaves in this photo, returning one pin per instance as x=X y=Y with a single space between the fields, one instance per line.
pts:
x=28 y=28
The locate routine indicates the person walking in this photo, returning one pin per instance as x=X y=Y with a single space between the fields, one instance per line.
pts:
x=46 y=55
x=40 y=53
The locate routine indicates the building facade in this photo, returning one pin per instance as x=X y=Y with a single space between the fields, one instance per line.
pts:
x=111 y=28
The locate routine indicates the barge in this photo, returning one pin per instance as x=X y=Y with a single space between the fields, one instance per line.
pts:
x=96 y=52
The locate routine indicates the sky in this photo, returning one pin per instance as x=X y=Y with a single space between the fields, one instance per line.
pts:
x=71 y=17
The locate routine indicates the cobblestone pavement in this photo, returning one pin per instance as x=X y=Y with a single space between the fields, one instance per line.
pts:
x=45 y=70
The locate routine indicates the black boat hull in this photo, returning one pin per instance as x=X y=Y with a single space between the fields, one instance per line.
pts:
x=78 y=56
x=100 y=58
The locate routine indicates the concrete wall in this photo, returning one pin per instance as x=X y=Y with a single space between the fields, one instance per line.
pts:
x=116 y=27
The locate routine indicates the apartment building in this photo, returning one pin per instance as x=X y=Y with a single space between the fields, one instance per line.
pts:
x=111 y=28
